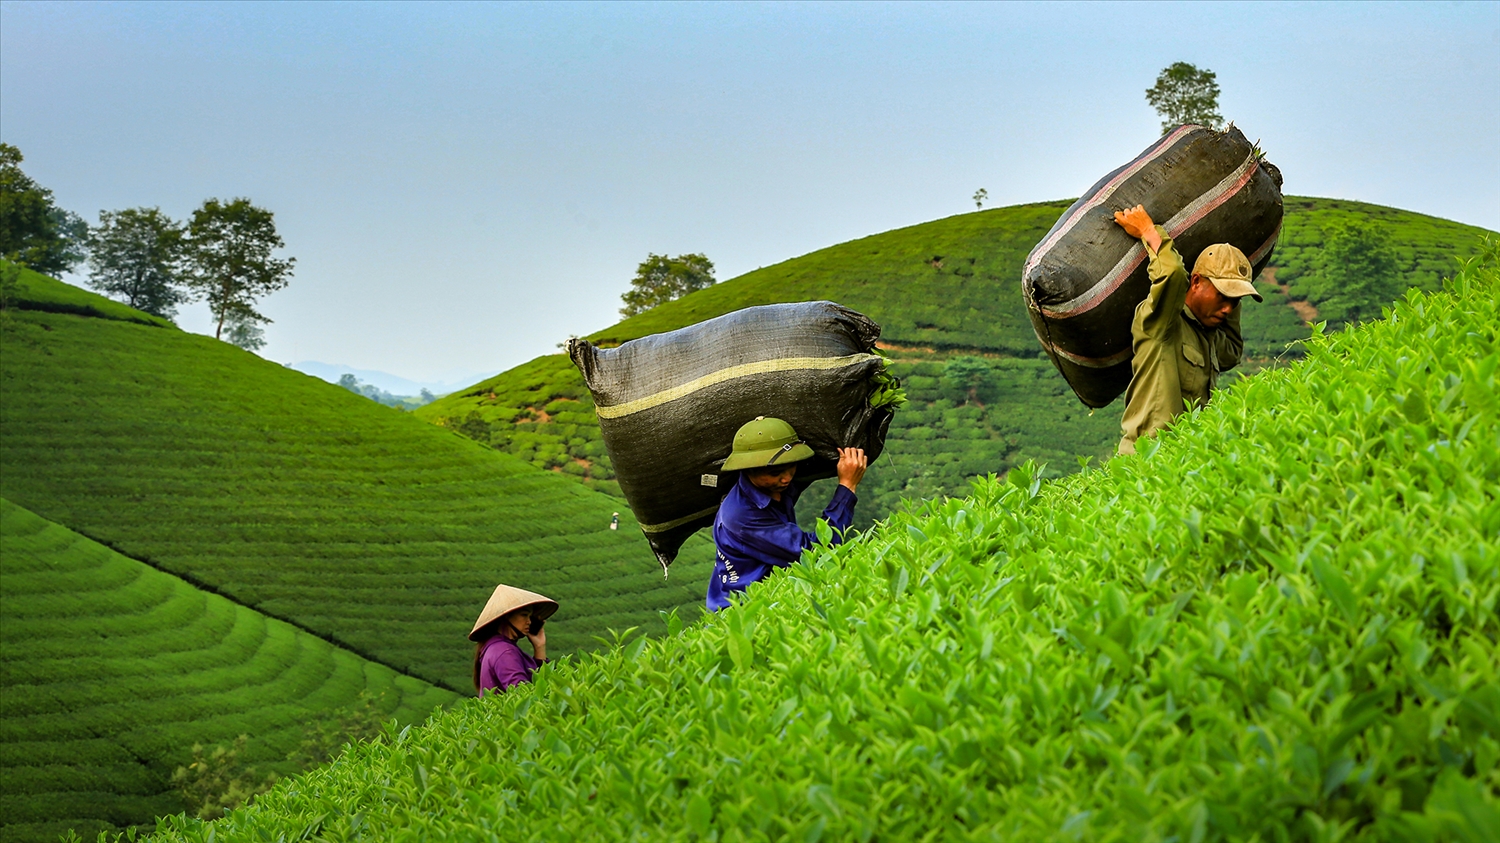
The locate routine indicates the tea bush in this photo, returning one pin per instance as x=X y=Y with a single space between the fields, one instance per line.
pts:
x=111 y=672
x=1278 y=622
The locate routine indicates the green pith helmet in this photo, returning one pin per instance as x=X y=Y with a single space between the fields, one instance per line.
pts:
x=764 y=442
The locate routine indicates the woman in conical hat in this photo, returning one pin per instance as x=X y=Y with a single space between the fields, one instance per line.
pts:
x=511 y=613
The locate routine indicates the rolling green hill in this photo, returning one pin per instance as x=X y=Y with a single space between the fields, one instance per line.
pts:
x=943 y=289
x=302 y=500
x=1278 y=622
x=110 y=671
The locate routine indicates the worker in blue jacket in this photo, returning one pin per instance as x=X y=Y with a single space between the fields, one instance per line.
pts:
x=756 y=529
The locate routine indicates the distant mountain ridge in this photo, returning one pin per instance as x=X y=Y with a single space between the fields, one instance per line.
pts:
x=452 y=380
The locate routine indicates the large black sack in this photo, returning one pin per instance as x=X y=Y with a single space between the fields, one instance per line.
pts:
x=669 y=404
x=1084 y=280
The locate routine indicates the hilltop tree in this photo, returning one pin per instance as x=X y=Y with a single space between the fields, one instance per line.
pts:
x=33 y=230
x=979 y=196
x=244 y=332
x=229 y=259
x=136 y=254
x=660 y=279
x=1185 y=94
x=1358 y=272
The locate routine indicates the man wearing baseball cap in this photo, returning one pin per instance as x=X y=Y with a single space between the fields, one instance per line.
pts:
x=1186 y=331
x=755 y=531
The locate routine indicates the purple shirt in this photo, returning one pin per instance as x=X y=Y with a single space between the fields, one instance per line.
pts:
x=754 y=535
x=503 y=664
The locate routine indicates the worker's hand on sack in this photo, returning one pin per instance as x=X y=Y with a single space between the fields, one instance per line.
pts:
x=852 y=465
x=1137 y=223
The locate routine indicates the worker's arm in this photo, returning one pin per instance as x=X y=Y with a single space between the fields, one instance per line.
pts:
x=1169 y=279
x=780 y=542
x=769 y=537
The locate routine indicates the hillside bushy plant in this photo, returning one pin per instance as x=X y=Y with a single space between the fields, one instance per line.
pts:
x=217 y=779
x=1277 y=622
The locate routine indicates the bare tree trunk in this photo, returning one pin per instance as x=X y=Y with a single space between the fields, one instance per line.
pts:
x=223 y=311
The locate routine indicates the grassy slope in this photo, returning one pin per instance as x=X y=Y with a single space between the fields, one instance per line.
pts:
x=38 y=292
x=111 y=670
x=1280 y=624
x=303 y=500
x=971 y=303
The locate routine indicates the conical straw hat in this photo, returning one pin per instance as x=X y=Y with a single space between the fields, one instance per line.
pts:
x=506 y=600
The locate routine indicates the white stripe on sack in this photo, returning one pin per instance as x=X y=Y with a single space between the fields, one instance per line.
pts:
x=678 y=522
x=1266 y=246
x=1180 y=222
x=1104 y=193
x=783 y=364
x=1079 y=360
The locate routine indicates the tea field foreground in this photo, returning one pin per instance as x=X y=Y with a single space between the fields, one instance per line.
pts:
x=945 y=289
x=297 y=498
x=1280 y=624
x=110 y=672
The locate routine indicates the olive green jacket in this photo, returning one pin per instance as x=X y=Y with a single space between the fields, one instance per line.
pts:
x=1177 y=360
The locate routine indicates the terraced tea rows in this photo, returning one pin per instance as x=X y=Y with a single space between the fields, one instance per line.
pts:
x=1278 y=622
x=305 y=501
x=110 y=671
x=942 y=288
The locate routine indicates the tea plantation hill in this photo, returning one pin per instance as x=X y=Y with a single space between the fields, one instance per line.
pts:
x=110 y=672
x=291 y=496
x=943 y=289
x=1278 y=622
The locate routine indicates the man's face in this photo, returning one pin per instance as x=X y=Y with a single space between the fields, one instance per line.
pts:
x=773 y=480
x=1208 y=304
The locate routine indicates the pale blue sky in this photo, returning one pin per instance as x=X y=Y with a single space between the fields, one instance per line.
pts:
x=466 y=185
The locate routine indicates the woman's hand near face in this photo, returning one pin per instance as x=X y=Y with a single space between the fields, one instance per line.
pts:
x=538 y=641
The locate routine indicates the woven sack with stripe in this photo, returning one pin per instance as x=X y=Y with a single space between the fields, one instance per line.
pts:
x=669 y=404
x=1084 y=280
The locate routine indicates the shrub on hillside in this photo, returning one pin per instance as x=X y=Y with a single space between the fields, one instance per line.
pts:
x=218 y=780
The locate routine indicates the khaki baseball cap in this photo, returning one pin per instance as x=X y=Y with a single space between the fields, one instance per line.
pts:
x=1228 y=269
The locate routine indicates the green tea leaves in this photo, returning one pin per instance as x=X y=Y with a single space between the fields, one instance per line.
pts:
x=1336 y=587
x=698 y=814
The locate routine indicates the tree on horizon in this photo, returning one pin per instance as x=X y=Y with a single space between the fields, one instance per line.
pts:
x=230 y=262
x=660 y=279
x=1185 y=94
x=136 y=254
x=34 y=232
x=245 y=333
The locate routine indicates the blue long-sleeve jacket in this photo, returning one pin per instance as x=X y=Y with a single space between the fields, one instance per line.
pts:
x=755 y=535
